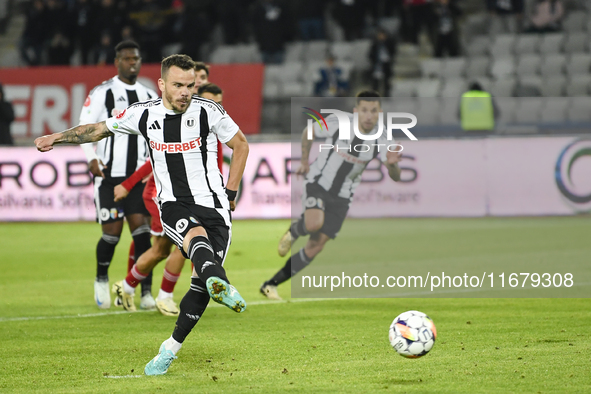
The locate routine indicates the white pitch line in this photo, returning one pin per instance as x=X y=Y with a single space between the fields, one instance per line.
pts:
x=124 y=376
x=267 y=302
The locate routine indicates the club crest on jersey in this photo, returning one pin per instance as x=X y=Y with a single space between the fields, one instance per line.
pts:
x=176 y=147
x=313 y=202
x=181 y=225
x=191 y=123
x=104 y=214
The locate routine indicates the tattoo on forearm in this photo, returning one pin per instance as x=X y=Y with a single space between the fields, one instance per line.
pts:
x=84 y=133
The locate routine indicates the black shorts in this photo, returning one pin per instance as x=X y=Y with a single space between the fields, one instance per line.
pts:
x=335 y=208
x=109 y=211
x=178 y=218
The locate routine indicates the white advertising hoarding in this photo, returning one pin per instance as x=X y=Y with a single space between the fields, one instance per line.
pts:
x=472 y=177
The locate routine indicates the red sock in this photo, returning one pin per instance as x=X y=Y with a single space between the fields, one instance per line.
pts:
x=131 y=259
x=135 y=277
x=169 y=281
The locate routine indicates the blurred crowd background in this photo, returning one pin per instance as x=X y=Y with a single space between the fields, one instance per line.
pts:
x=403 y=48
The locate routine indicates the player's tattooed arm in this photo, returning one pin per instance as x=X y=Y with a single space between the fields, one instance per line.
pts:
x=76 y=135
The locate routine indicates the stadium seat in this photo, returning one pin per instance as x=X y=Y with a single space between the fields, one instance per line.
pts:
x=311 y=72
x=477 y=67
x=247 y=54
x=478 y=46
x=578 y=109
x=503 y=45
x=528 y=86
x=431 y=68
x=578 y=63
x=503 y=67
x=361 y=51
x=292 y=71
x=576 y=42
x=485 y=82
x=428 y=88
x=223 y=54
x=578 y=85
x=553 y=87
x=453 y=87
x=449 y=111
x=409 y=104
x=503 y=87
x=405 y=88
x=506 y=107
x=428 y=111
x=453 y=67
x=294 y=52
x=271 y=89
x=527 y=43
x=346 y=68
x=270 y=113
x=342 y=50
x=315 y=50
x=575 y=21
x=273 y=73
x=528 y=110
x=554 y=110
x=294 y=89
x=551 y=43
x=390 y=24
x=553 y=65
x=528 y=64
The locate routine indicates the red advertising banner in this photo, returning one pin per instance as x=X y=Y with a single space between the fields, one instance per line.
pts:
x=49 y=99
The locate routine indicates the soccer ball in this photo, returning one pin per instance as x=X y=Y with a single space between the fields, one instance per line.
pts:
x=412 y=334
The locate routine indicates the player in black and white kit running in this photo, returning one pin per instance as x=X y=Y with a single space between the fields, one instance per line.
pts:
x=116 y=158
x=182 y=132
x=330 y=183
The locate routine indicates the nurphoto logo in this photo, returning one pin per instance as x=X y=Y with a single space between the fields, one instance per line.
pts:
x=344 y=129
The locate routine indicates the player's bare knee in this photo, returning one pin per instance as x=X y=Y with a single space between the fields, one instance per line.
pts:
x=192 y=233
x=314 y=225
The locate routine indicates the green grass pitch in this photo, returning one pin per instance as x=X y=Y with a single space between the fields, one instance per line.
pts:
x=54 y=339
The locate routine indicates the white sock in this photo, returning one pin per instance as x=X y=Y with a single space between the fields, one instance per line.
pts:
x=172 y=345
x=163 y=295
x=128 y=289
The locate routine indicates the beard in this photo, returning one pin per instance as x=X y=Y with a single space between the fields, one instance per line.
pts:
x=176 y=106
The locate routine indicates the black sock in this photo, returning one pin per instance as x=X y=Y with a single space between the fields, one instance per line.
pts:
x=192 y=307
x=104 y=254
x=201 y=254
x=141 y=238
x=298 y=229
x=294 y=264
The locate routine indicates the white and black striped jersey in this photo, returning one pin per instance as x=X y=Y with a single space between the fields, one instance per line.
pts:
x=339 y=171
x=122 y=154
x=182 y=147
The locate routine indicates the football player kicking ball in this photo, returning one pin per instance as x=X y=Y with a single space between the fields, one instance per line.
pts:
x=182 y=132
x=329 y=186
x=161 y=244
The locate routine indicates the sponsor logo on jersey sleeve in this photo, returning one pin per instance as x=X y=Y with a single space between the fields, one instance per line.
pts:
x=87 y=101
x=120 y=115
